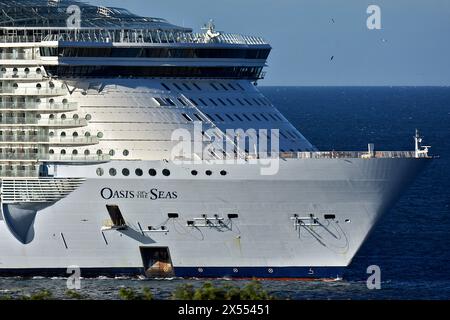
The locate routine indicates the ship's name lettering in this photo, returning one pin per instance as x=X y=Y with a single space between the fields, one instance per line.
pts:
x=152 y=194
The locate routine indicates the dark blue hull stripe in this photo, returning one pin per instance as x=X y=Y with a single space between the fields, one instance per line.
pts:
x=200 y=272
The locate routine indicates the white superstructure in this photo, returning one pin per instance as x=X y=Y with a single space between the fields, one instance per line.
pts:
x=89 y=176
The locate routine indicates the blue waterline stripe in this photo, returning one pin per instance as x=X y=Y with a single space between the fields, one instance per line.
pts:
x=200 y=272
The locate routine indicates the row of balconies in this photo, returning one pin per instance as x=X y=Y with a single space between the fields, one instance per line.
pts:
x=42 y=107
x=47 y=140
x=11 y=154
x=35 y=122
x=38 y=91
x=4 y=76
x=34 y=155
x=17 y=56
x=19 y=170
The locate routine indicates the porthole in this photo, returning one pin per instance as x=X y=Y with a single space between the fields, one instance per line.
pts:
x=112 y=152
x=126 y=152
x=15 y=85
x=51 y=133
x=63 y=117
x=87 y=134
x=99 y=152
x=208 y=172
x=64 y=101
x=100 y=172
x=223 y=173
x=100 y=135
x=139 y=172
x=51 y=117
x=27 y=70
x=51 y=151
x=194 y=172
x=166 y=172
x=51 y=101
x=38 y=71
x=38 y=86
x=75 y=117
x=75 y=134
x=152 y=172
x=125 y=172
x=63 y=151
x=88 y=117
x=74 y=152
x=51 y=85
x=86 y=152
x=112 y=172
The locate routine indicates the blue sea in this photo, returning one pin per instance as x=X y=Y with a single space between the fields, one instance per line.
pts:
x=411 y=244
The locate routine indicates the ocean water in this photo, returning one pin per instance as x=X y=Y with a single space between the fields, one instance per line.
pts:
x=410 y=244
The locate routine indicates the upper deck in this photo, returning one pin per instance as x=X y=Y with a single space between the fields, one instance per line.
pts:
x=29 y=21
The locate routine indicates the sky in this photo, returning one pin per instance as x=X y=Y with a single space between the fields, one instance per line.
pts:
x=327 y=42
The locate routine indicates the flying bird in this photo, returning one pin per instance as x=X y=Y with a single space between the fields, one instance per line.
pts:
x=332 y=57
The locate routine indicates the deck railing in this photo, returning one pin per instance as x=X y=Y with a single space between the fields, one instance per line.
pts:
x=130 y=36
x=312 y=155
x=345 y=155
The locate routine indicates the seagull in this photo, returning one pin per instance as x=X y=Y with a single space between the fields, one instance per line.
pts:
x=332 y=20
x=332 y=57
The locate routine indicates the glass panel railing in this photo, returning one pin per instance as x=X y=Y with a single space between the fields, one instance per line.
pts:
x=47 y=140
x=20 y=76
x=74 y=140
x=57 y=123
x=132 y=36
x=19 y=171
x=43 y=106
x=23 y=155
x=77 y=158
x=16 y=56
x=33 y=91
x=23 y=138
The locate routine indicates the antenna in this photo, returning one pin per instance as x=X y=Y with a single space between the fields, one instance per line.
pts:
x=419 y=150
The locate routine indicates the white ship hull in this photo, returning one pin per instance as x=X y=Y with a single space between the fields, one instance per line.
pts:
x=89 y=114
x=261 y=240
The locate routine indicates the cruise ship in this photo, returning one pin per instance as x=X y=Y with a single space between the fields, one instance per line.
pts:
x=130 y=145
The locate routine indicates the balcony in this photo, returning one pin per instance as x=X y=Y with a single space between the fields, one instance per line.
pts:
x=20 y=76
x=43 y=107
x=19 y=171
x=73 y=141
x=41 y=92
x=16 y=56
x=22 y=155
x=80 y=158
x=22 y=140
x=47 y=123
